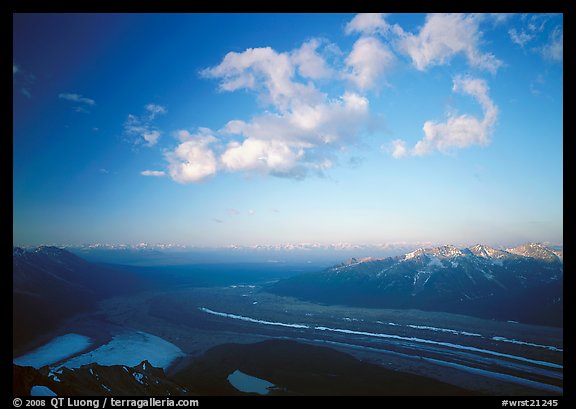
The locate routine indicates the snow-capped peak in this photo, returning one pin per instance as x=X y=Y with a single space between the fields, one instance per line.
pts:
x=442 y=252
x=414 y=254
x=447 y=251
x=535 y=250
x=481 y=250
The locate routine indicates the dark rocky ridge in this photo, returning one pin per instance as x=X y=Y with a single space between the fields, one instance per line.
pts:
x=97 y=380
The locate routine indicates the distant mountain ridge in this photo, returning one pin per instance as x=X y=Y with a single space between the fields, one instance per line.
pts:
x=522 y=283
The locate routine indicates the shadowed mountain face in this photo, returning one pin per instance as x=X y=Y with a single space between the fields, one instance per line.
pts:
x=523 y=284
x=50 y=284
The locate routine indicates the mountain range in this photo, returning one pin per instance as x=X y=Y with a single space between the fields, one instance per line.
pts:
x=522 y=283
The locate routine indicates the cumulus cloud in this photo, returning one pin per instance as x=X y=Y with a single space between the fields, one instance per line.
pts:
x=303 y=128
x=309 y=63
x=301 y=134
x=193 y=159
x=442 y=37
x=458 y=131
x=267 y=72
x=368 y=61
x=298 y=141
x=77 y=98
x=141 y=127
x=156 y=173
x=367 y=23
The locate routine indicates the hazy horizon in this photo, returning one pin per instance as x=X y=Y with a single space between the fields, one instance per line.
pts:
x=277 y=246
x=211 y=130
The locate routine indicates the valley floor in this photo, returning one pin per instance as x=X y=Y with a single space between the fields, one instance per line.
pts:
x=484 y=356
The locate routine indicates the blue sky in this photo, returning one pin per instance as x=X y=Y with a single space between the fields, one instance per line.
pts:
x=219 y=129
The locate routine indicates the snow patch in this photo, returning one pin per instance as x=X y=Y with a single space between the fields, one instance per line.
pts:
x=56 y=350
x=138 y=377
x=248 y=383
x=130 y=349
x=420 y=279
x=41 y=391
x=52 y=374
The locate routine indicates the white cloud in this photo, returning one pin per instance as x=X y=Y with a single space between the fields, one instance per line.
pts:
x=26 y=93
x=305 y=128
x=367 y=23
x=268 y=73
x=543 y=33
x=154 y=110
x=442 y=37
x=141 y=127
x=459 y=131
x=520 y=37
x=268 y=156
x=291 y=144
x=309 y=63
x=77 y=98
x=151 y=136
x=156 y=173
x=193 y=159
x=296 y=142
x=368 y=62
x=15 y=69
x=399 y=149
x=554 y=49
